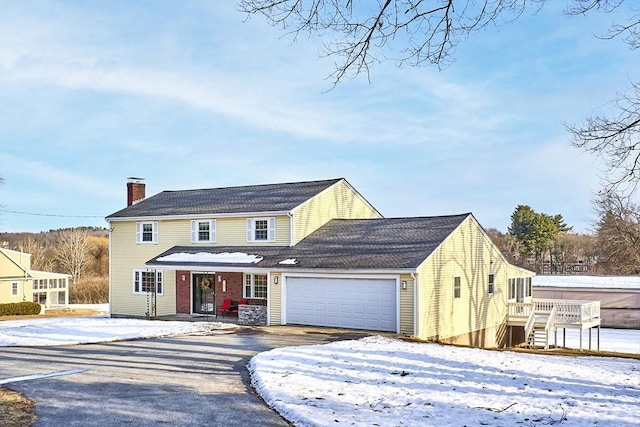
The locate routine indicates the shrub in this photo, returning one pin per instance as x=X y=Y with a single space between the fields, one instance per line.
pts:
x=89 y=290
x=19 y=308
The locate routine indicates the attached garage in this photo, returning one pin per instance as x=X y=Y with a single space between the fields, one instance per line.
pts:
x=356 y=303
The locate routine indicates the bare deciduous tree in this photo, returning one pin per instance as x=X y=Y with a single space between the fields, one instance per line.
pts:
x=618 y=234
x=418 y=32
x=616 y=139
x=411 y=32
x=73 y=251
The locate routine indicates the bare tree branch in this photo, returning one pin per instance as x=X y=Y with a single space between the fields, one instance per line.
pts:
x=412 y=32
x=616 y=139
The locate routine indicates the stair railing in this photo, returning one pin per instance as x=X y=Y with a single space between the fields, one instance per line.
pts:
x=528 y=327
x=549 y=326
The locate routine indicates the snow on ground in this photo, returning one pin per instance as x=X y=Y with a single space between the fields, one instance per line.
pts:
x=616 y=282
x=83 y=330
x=388 y=382
x=384 y=381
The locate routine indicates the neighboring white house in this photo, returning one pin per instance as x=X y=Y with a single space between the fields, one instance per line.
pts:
x=18 y=282
x=619 y=296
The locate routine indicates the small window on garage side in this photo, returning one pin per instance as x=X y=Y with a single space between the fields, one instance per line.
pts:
x=492 y=278
x=456 y=287
x=14 y=289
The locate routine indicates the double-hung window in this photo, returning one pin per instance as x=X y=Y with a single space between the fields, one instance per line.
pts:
x=145 y=281
x=456 y=287
x=261 y=229
x=255 y=286
x=203 y=231
x=147 y=232
x=492 y=283
x=14 y=289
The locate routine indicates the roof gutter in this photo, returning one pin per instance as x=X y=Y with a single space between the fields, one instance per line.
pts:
x=196 y=216
x=249 y=268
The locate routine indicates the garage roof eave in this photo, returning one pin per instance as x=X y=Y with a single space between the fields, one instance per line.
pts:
x=346 y=271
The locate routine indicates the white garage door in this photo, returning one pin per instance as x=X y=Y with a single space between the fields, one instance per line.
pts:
x=342 y=302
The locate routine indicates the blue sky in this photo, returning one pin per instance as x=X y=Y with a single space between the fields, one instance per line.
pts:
x=190 y=94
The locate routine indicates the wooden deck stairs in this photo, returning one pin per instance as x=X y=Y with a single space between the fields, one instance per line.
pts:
x=542 y=318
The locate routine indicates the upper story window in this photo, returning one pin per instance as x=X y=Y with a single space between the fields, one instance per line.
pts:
x=147 y=232
x=203 y=231
x=261 y=229
x=492 y=283
x=14 y=289
x=456 y=287
x=145 y=281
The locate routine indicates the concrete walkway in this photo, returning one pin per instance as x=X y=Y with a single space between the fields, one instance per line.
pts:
x=177 y=381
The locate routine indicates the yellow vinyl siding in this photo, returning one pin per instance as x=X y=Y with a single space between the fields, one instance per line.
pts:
x=470 y=255
x=338 y=201
x=275 y=300
x=11 y=261
x=406 y=305
x=8 y=269
x=126 y=256
x=24 y=291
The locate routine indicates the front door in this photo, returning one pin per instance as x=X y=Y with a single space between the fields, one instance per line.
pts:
x=203 y=293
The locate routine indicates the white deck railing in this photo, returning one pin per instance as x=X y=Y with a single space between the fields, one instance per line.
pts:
x=566 y=311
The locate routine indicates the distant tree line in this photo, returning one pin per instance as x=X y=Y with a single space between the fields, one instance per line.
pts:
x=82 y=252
x=544 y=243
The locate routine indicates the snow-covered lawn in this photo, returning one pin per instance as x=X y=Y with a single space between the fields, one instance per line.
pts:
x=83 y=330
x=379 y=381
x=388 y=382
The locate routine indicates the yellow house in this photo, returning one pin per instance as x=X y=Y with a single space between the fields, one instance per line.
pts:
x=18 y=282
x=310 y=253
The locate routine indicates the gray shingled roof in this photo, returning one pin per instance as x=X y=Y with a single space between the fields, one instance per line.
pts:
x=253 y=198
x=386 y=243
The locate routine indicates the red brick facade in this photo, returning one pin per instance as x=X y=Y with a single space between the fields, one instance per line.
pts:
x=183 y=292
x=233 y=287
x=233 y=291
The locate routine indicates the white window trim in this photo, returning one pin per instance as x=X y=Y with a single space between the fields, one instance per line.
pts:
x=253 y=286
x=459 y=288
x=491 y=288
x=15 y=287
x=159 y=278
x=195 y=231
x=271 y=229
x=139 y=232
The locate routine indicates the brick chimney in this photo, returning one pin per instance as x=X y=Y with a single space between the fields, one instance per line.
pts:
x=135 y=190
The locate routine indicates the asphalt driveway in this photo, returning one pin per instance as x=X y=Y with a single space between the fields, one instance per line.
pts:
x=177 y=381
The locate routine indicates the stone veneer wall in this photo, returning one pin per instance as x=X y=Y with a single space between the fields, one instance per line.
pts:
x=252 y=315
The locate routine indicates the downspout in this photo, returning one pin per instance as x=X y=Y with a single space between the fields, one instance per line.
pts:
x=110 y=261
x=416 y=323
x=291 y=229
